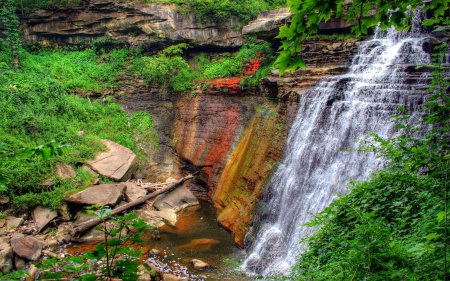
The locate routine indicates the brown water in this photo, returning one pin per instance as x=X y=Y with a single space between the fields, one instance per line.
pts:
x=196 y=235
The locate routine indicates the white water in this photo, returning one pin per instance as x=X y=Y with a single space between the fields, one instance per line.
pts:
x=331 y=117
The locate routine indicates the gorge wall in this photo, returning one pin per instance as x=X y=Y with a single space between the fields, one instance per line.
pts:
x=234 y=140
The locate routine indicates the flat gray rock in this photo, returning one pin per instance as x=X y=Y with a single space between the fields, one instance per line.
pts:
x=133 y=191
x=103 y=194
x=42 y=216
x=175 y=200
x=118 y=163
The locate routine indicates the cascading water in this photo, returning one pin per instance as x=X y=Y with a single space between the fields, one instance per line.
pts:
x=331 y=117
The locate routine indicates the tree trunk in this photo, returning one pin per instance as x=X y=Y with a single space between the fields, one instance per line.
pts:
x=80 y=228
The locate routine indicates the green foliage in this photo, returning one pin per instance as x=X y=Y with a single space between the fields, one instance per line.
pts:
x=170 y=70
x=309 y=14
x=36 y=108
x=209 y=10
x=395 y=225
x=120 y=260
x=12 y=23
x=163 y=68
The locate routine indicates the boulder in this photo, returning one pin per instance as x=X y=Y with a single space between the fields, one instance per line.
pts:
x=65 y=171
x=103 y=194
x=13 y=222
x=6 y=257
x=27 y=247
x=159 y=218
x=133 y=191
x=199 y=264
x=118 y=163
x=175 y=200
x=42 y=216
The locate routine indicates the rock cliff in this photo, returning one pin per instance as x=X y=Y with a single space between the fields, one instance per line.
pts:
x=145 y=25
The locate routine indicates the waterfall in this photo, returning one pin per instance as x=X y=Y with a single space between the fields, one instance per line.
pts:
x=331 y=117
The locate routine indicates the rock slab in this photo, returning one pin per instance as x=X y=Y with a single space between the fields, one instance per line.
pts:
x=175 y=200
x=103 y=194
x=27 y=247
x=118 y=163
x=43 y=216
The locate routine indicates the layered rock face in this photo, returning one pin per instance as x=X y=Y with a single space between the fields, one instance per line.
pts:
x=145 y=25
x=242 y=181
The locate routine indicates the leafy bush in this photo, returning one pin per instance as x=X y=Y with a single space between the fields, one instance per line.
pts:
x=162 y=68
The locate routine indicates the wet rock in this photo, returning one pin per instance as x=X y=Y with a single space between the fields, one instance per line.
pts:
x=32 y=272
x=199 y=264
x=159 y=218
x=154 y=252
x=133 y=191
x=6 y=258
x=13 y=222
x=27 y=247
x=42 y=216
x=199 y=245
x=118 y=163
x=175 y=200
x=65 y=212
x=65 y=171
x=103 y=194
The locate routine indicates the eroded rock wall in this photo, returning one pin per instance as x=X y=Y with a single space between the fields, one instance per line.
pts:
x=145 y=25
x=242 y=181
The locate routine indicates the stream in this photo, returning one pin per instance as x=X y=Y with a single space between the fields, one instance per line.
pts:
x=196 y=235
